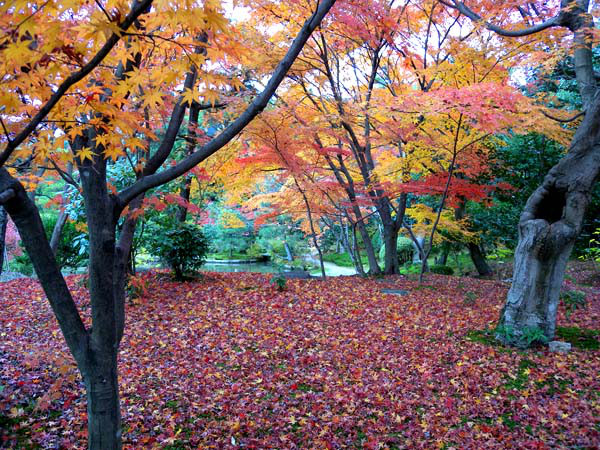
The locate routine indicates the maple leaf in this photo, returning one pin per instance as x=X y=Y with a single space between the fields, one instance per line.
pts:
x=85 y=153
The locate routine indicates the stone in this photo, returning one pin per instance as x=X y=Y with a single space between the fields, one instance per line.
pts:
x=394 y=291
x=559 y=347
x=301 y=274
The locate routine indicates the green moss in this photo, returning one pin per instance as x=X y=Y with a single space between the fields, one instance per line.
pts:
x=580 y=338
x=483 y=337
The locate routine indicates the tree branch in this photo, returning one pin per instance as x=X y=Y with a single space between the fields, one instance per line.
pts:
x=558 y=119
x=259 y=103
x=468 y=12
x=139 y=8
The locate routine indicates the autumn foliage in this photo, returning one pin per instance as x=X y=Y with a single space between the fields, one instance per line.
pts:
x=231 y=361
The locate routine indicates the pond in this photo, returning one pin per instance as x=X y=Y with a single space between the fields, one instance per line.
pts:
x=331 y=269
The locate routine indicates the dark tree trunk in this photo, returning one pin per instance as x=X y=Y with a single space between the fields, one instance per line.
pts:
x=3 y=225
x=57 y=231
x=186 y=186
x=374 y=268
x=477 y=255
x=102 y=390
x=442 y=259
x=548 y=227
x=479 y=261
x=352 y=247
x=390 y=243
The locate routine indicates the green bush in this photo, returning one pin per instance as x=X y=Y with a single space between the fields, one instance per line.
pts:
x=343 y=259
x=442 y=270
x=182 y=246
x=72 y=251
x=404 y=247
x=256 y=251
x=573 y=300
x=22 y=264
x=279 y=281
x=410 y=269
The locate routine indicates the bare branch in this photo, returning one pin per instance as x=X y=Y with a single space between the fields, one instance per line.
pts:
x=558 y=119
x=468 y=12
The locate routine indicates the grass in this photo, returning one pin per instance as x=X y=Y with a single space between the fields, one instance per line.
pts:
x=343 y=259
x=581 y=338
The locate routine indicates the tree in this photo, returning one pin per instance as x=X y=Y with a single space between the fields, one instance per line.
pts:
x=553 y=215
x=389 y=85
x=128 y=87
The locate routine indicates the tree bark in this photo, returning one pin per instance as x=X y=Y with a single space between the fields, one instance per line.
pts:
x=390 y=243
x=102 y=390
x=548 y=227
x=442 y=259
x=57 y=231
x=3 y=225
x=352 y=247
x=475 y=252
x=479 y=261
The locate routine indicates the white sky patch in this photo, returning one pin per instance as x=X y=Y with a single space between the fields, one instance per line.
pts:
x=235 y=12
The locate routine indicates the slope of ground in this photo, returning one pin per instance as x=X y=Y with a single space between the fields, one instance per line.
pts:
x=229 y=361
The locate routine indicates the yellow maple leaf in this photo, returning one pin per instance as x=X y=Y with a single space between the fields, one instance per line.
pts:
x=85 y=153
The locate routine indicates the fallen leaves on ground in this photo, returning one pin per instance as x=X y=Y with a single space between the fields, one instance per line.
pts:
x=229 y=361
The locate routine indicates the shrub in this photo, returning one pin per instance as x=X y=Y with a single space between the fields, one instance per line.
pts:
x=573 y=300
x=22 y=264
x=442 y=270
x=137 y=288
x=182 y=246
x=279 y=281
x=405 y=249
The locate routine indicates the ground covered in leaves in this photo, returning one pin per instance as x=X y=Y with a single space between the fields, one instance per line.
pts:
x=229 y=361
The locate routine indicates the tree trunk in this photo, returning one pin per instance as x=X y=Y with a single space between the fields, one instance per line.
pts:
x=3 y=225
x=57 y=231
x=374 y=268
x=478 y=258
x=104 y=417
x=442 y=259
x=477 y=255
x=548 y=227
x=390 y=242
x=352 y=247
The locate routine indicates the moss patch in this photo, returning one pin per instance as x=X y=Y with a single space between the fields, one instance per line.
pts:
x=581 y=338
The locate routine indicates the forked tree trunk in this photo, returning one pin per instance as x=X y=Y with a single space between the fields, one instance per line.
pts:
x=548 y=227
x=94 y=350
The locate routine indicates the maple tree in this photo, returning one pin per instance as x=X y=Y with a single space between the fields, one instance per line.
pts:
x=134 y=59
x=553 y=215
x=403 y=101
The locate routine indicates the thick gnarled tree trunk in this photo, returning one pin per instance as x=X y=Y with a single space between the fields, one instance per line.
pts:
x=548 y=227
